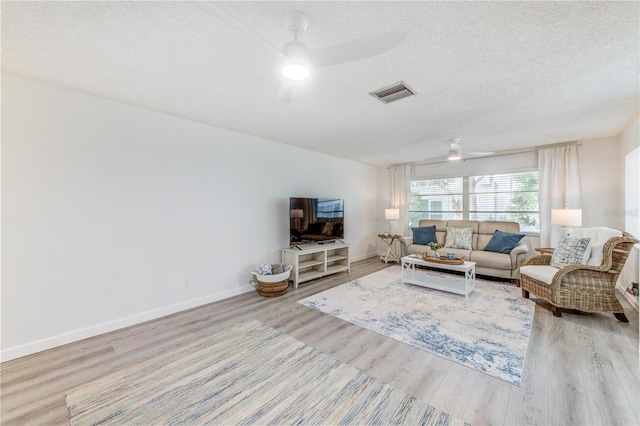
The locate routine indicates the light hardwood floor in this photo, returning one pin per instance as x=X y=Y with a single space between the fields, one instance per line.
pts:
x=580 y=369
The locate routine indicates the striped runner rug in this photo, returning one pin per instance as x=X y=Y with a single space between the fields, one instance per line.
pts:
x=248 y=373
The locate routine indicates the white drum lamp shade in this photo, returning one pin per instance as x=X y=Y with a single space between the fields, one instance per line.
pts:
x=566 y=218
x=392 y=214
x=296 y=215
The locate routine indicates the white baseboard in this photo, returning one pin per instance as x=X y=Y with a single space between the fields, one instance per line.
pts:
x=74 y=336
x=366 y=256
x=633 y=301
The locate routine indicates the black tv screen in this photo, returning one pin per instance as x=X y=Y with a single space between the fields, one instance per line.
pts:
x=315 y=220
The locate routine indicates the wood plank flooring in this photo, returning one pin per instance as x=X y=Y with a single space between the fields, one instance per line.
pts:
x=580 y=369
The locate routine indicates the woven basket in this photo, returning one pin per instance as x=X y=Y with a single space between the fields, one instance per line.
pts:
x=273 y=285
x=456 y=261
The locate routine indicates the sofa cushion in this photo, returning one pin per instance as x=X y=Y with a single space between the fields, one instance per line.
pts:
x=490 y=226
x=473 y=224
x=544 y=273
x=488 y=259
x=599 y=236
x=461 y=238
x=503 y=242
x=441 y=225
x=570 y=251
x=424 y=235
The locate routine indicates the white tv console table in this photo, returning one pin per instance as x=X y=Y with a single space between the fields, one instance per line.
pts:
x=311 y=261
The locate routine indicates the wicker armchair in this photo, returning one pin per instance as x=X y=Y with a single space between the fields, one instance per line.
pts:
x=583 y=287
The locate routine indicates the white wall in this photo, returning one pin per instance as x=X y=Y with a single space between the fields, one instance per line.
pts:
x=108 y=209
x=602 y=179
x=630 y=138
x=630 y=146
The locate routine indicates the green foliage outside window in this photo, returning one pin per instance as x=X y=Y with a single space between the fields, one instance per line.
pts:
x=527 y=200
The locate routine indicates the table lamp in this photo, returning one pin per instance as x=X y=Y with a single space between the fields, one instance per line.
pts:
x=296 y=215
x=391 y=215
x=566 y=218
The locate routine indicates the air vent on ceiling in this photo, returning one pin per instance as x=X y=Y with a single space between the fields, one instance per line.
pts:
x=393 y=93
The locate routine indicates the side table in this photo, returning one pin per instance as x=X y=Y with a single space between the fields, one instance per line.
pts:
x=391 y=242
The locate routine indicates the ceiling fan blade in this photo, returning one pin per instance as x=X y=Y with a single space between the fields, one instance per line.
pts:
x=441 y=159
x=361 y=48
x=479 y=154
x=216 y=11
x=286 y=91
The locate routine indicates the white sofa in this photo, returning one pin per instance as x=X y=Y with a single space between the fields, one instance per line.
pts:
x=503 y=265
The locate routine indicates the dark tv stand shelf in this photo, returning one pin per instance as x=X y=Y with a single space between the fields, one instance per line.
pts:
x=316 y=260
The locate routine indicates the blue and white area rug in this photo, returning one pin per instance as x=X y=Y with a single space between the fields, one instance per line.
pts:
x=489 y=331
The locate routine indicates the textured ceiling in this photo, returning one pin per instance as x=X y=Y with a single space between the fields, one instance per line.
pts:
x=499 y=75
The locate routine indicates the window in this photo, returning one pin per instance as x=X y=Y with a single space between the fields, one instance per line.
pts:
x=329 y=208
x=435 y=199
x=509 y=197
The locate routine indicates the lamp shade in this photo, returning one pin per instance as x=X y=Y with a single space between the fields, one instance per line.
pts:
x=392 y=214
x=566 y=217
x=296 y=213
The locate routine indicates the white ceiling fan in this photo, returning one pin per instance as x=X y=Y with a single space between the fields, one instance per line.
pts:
x=456 y=153
x=299 y=61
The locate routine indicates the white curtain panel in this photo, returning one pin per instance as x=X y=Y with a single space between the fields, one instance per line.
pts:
x=400 y=182
x=559 y=180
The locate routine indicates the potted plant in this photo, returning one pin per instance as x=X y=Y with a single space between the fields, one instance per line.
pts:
x=434 y=247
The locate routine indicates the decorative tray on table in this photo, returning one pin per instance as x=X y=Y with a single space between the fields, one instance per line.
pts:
x=456 y=261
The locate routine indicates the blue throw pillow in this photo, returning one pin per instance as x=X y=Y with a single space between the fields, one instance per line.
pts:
x=424 y=235
x=503 y=242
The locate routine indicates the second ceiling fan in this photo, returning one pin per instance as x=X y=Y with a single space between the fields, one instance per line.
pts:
x=455 y=153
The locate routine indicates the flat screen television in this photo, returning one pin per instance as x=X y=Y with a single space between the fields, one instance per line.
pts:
x=315 y=220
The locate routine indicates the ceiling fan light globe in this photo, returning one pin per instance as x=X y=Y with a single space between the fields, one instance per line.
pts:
x=296 y=72
x=454 y=155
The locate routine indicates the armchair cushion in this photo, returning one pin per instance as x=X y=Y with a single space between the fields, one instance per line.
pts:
x=570 y=251
x=503 y=242
x=544 y=273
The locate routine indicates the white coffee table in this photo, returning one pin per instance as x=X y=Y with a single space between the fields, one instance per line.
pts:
x=411 y=275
